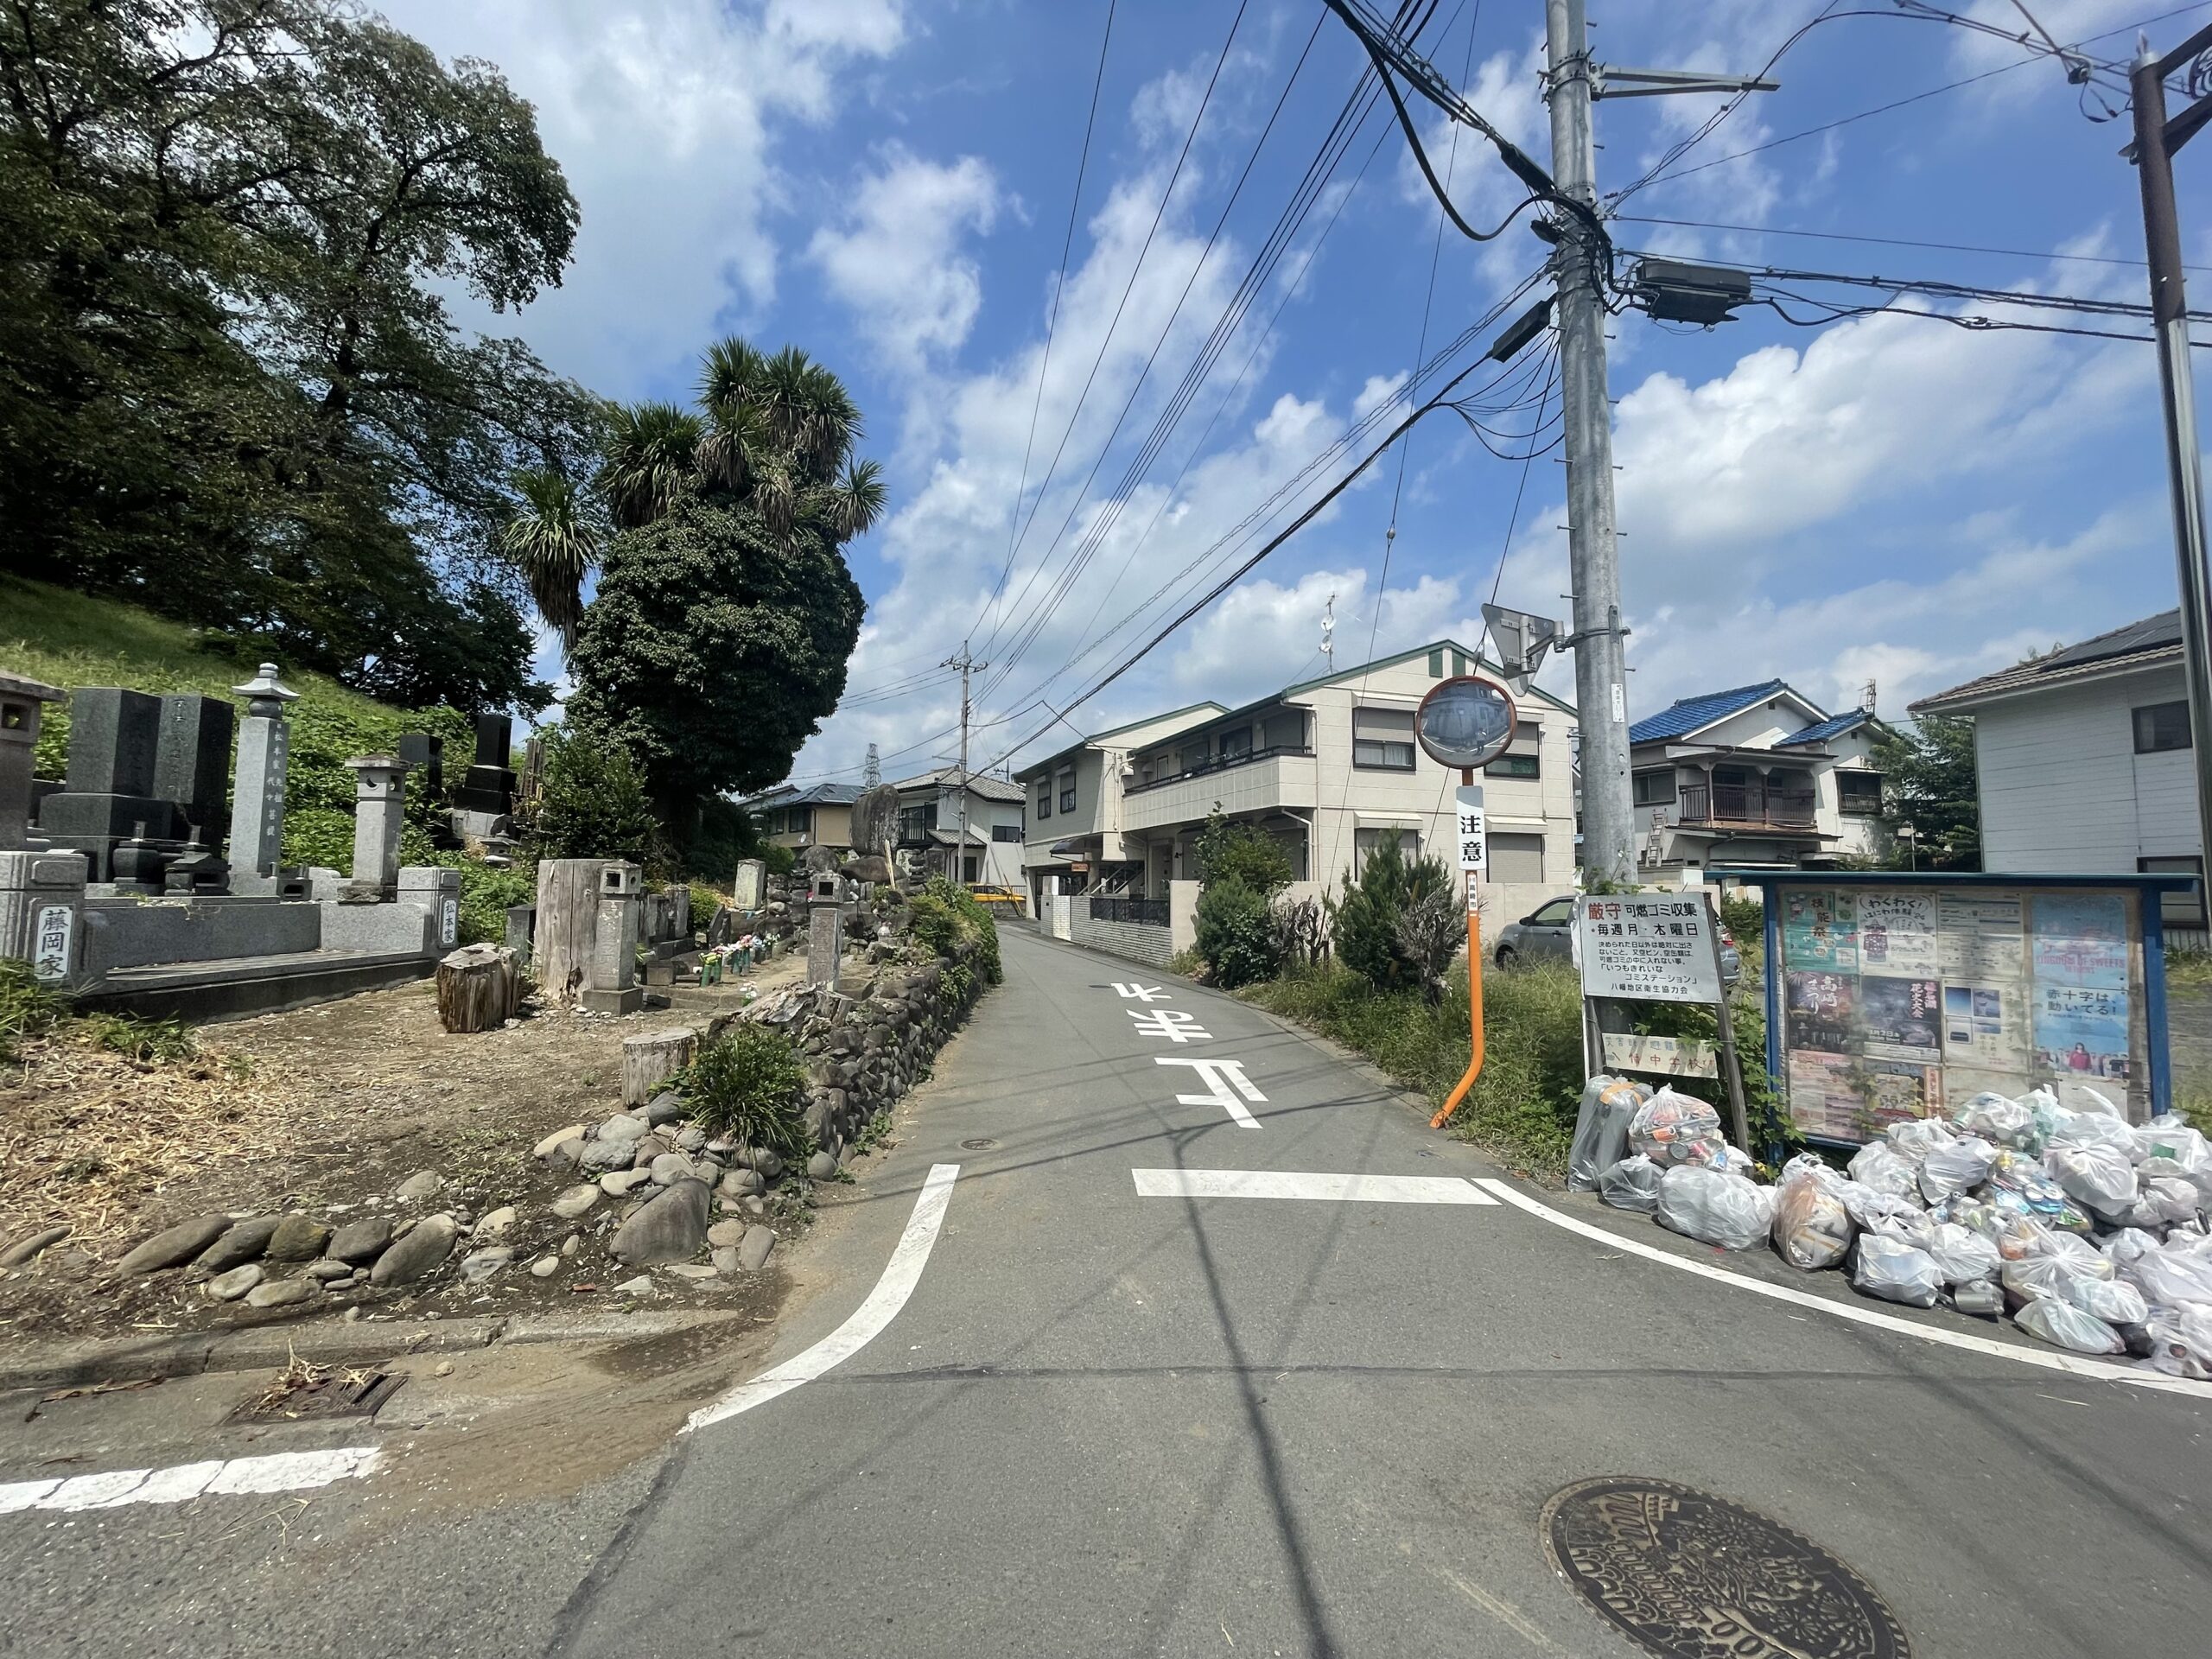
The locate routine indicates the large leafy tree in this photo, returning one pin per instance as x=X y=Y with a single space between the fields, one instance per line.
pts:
x=229 y=383
x=1929 y=783
x=717 y=640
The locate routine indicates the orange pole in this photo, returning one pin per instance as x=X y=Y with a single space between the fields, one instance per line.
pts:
x=1451 y=1102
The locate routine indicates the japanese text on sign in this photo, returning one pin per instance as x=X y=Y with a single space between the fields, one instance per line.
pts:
x=1474 y=846
x=1654 y=948
x=50 y=945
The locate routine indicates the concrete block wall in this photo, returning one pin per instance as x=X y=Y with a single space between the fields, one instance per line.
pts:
x=1139 y=942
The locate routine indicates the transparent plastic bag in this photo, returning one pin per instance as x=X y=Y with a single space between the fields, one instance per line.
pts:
x=1917 y=1137
x=2033 y=1276
x=1601 y=1128
x=2000 y=1121
x=2168 y=1136
x=1668 y=1121
x=1954 y=1167
x=2160 y=1201
x=1632 y=1184
x=2107 y=1299
x=1895 y=1271
x=1962 y=1255
x=2024 y=1179
x=2167 y=1274
x=2127 y=1244
x=2094 y=1129
x=2181 y=1341
x=2015 y=1233
x=1902 y=1223
x=1812 y=1229
x=1715 y=1208
x=1879 y=1165
x=2064 y=1326
x=2100 y=1178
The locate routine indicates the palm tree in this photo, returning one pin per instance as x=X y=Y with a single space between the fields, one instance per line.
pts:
x=652 y=451
x=554 y=547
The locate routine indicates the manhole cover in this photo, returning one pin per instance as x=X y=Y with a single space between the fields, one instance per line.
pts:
x=334 y=1394
x=1688 y=1575
x=981 y=1143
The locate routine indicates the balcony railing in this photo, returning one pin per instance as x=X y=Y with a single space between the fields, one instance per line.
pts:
x=1220 y=763
x=1762 y=804
x=1143 y=913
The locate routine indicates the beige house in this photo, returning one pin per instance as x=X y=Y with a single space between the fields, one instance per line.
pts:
x=1328 y=767
x=799 y=818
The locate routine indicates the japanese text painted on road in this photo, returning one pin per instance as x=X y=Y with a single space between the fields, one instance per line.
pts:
x=1647 y=948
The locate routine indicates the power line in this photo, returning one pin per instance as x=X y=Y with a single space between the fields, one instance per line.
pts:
x=1892 y=241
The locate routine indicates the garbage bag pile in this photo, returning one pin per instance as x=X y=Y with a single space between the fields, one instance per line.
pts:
x=2093 y=1234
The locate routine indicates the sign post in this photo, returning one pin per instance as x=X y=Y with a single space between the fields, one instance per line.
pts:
x=1466 y=722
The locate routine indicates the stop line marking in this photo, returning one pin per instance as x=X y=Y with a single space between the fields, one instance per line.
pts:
x=1293 y=1184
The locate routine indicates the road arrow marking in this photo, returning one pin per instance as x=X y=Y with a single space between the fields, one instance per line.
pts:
x=1225 y=1080
x=1291 y=1183
x=1172 y=1023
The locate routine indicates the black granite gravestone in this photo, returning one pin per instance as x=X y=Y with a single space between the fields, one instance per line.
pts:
x=109 y=798
x=490 y=786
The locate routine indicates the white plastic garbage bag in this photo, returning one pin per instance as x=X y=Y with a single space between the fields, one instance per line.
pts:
x=1895 y=1271
x=2162 y=1200
x=2064 y=1326
x=1954 y=1167
x=2072 y=1247
x=2127 y=1244
x=2002 y=1123
x=1902 y=1222
x=2181 y=1341
x=1811 y=1167
x=1669 y=1125
x=2015 y=1233
x=2168 y=1136
x=1917 y=1137
x=2167 y=1274
x=1632 y=1184
x=2108 y=1299
x=1715 y=1207
x=1962 y=1255
x=1601 y=1128
x=1879 y=1165
x=2094 y=1129
x=2037 y=1275
x=2099 y=1177
x=1812 y=1229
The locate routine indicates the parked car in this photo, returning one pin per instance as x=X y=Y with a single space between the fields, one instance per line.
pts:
x=1548 y=931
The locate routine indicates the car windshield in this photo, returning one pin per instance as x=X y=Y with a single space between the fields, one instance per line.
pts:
x=1558 y=913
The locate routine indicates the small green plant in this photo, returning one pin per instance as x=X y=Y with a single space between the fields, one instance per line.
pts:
x=1236 y=932
x=947 y=916
x=780 y=861
x=151 y=1042
x=1364 y=922
x=592 y=802
x=749 y=1085
x=1241 y=852
x=1188 y=963
x=28 y=1008
x=2188 y=966
x=705 y=901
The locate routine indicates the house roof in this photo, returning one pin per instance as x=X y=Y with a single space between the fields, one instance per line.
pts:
x=813 y=795
x=1688 y=714
x=1199 y=709
x=1475 y=657
x=2148 y=644
x=1834 y=726
x=982 y=783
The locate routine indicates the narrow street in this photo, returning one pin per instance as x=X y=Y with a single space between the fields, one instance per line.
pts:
x=1136 y=1405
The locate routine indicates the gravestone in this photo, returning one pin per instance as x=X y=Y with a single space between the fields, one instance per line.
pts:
x=875 y=821
x=22 y=705
x=109 y=802
x=750 y=890
x=379 y=812
x=257 y=800
x=425 y=755
x=43 y=913
x=192 y=764
x=611 y=978
x=489 y=787
x=825 y=928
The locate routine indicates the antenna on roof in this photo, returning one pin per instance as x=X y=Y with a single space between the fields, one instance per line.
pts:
x=1329 y=632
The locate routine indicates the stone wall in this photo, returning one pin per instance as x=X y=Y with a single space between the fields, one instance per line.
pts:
x=1135 y=940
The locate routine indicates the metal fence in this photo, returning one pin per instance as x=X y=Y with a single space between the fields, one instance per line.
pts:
x=1144 y=912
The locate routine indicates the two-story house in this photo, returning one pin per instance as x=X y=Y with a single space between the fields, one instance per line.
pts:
x=930 y=818
x=818 y=816
x=1759 y=775
x=1330 y=767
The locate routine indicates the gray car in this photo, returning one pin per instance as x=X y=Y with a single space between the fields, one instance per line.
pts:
x=1548 y=931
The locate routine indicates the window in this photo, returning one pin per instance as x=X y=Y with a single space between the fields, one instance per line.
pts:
x=1005 y=832
x=1286 y=730
x=1558 y=913
x=1045 y=796
x=1654 y=788
x=1364 y=841
x=2161 y=726
x=1858 y=794
x=1383 y=739
x=1514 y=766
x=1517 y=858
x=1067 y=789
x=2178 y=909
x=1436 y=663
x=1191 y=759
x=1459 y=662
x=1237 y=743
x=913 y=825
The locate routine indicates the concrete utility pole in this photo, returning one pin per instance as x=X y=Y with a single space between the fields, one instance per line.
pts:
x=2156 y=140
x=1600 y=675
x=967 y=665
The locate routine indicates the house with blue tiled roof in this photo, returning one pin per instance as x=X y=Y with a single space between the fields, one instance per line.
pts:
x=1756 y=775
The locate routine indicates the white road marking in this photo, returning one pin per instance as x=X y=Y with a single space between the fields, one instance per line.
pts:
x=283 y=1471
x=1225 y=1081
x=900 y=1274
x=1292 y=1184
x=2048 y=1359
x=1170 y=1023
x=1141 y=993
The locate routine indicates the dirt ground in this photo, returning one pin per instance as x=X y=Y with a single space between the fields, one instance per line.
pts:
x=310 y=1111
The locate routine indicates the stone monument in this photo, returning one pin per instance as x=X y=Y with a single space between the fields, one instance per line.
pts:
x=825 y=927
x=611 y=978
x=876 y=822
x=750 y=890
x=257 y=803
x=43 y=913
x=425 y=755
x=191 y=764
x=21 y=708
x=109 y=803
x=379 y=813
x=487 y=796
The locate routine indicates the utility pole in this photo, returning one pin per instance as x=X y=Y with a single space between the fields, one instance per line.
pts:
x=1600 y=687
x=967 y=664
x=2156 y=140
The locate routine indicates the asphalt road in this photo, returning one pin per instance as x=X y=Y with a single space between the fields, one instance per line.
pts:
x=1111 y=1423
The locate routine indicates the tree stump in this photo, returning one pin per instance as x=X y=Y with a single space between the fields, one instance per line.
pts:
x=568 y=920
x=478 y=987
x=651 y=1058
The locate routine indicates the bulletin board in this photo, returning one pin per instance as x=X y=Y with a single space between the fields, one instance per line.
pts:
x=1893 y=995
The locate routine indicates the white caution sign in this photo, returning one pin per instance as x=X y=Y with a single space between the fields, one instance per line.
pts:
x=1474 y=835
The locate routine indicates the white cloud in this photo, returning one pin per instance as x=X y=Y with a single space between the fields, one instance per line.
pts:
x=896 y=259
x=666 y=115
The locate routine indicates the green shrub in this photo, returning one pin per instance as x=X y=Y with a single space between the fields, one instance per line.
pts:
x=780 y=861
x=148 y=1042
x=592 y=802
x=1364 y=923
x=750 y=1086
x=28 y=1008
x=947 y=915
x=1241 y=852
x=1522 y=1106
x=1236 y=932
x=704 y=902
x=487 y=892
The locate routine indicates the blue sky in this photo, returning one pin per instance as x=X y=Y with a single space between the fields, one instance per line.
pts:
x=888 y=184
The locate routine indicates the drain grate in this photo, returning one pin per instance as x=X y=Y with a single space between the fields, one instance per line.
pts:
x=981 y=1143
x=1688 y=1575
x=333 y=1394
